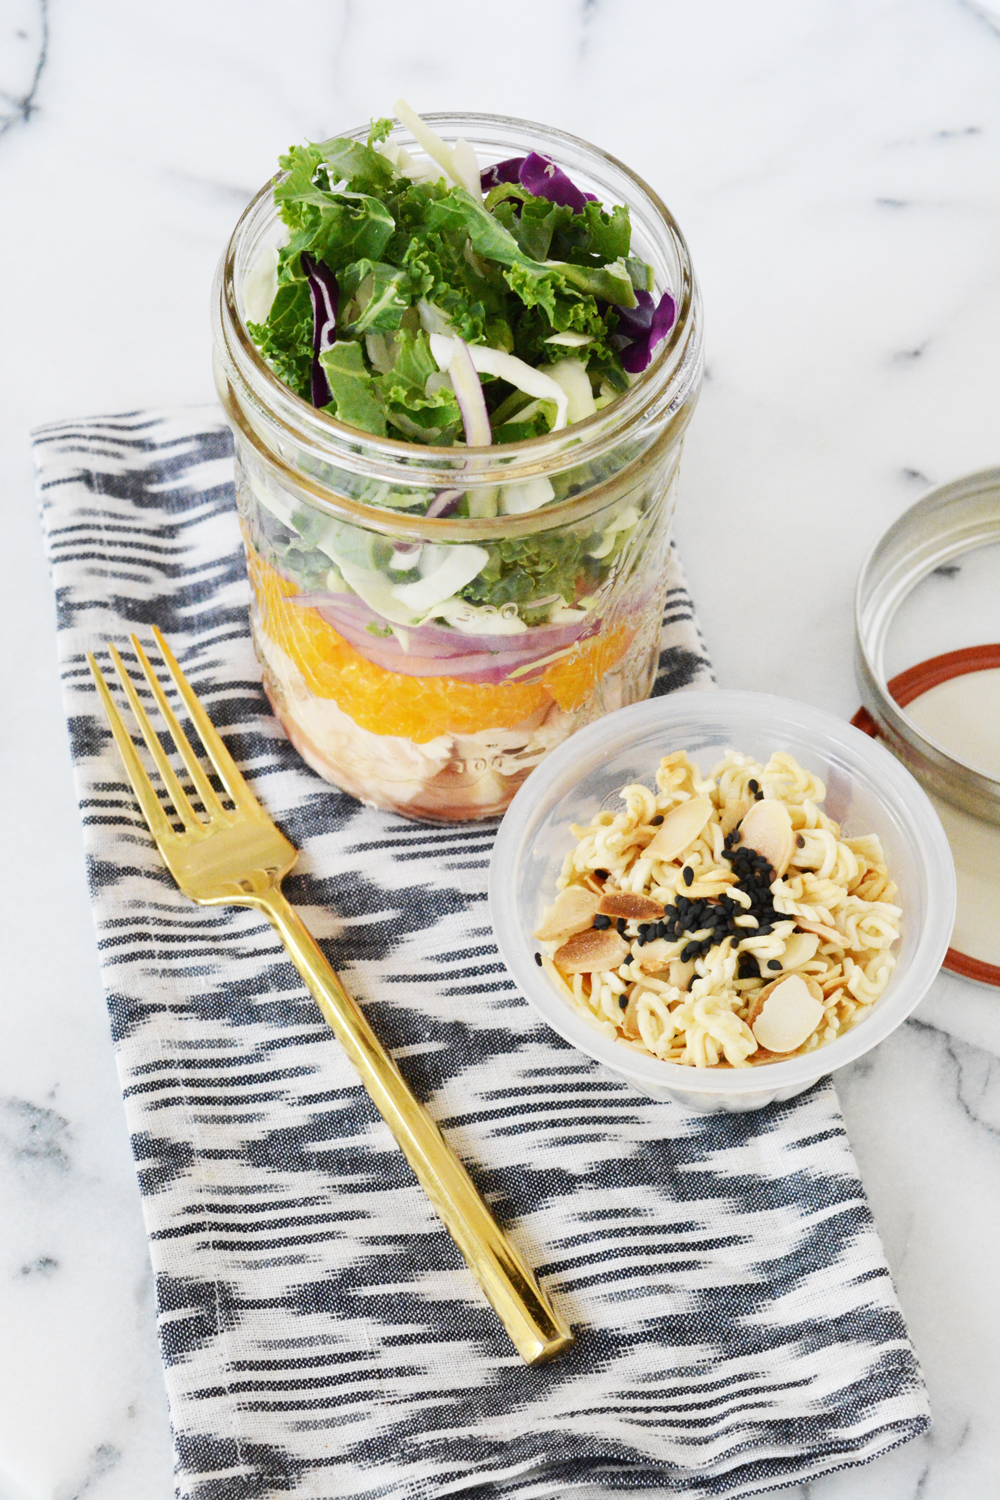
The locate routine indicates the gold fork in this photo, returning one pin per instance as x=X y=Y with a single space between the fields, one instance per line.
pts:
x=240 y=858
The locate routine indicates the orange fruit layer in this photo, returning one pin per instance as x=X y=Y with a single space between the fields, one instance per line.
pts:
x=572 y=680
x=416 y=708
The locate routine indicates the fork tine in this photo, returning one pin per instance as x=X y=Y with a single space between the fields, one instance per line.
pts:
x=215 y=748
x=175 y=791
x=152 y=809
x=213 y=807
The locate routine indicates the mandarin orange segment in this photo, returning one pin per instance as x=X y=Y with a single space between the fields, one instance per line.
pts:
x=417 y=708
x=572 y=681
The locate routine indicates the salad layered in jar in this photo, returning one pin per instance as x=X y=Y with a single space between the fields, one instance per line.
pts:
x=454 y=486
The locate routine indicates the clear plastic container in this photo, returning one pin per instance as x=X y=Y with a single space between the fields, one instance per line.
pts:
x=868 y=791
x=443 y=718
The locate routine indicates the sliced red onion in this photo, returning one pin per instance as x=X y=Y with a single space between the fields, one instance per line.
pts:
x=448 y=643
x=444 y=503
x=323 y=293
x=442 y=650
x=469 y=395
x=404 y=556
x=481 y=662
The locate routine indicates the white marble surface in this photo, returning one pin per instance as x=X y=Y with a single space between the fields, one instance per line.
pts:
x=834 y=164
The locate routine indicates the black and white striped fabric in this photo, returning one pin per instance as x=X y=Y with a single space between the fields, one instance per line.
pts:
x=737 y=1326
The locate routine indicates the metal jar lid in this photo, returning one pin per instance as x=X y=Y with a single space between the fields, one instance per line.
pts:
x=950 y=521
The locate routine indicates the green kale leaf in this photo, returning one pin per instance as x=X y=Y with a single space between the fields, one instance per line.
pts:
x=298 y=193
x=427 y=416
x=490 y=239
x=524 y=568
x=363 y=169
x=610 y=233
x=535 y=226
x=353 y=398
x=380 y=131
x=641 y=273
x=383 y=294
x=350 y=226
x=516 y=431
x=285 y=340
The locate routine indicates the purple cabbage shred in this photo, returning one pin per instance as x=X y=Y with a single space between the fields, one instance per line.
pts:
x=540 y=175
x=542 y=178
x=324 y=294
x=646 y=325
x=501 y=171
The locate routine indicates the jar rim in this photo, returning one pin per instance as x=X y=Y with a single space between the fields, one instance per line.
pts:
x=405 y=524
x=673 y=369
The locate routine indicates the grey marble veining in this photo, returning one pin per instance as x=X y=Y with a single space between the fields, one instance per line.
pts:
x=834 y=166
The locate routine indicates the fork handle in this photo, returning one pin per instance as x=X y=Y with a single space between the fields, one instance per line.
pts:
x=537 y=1330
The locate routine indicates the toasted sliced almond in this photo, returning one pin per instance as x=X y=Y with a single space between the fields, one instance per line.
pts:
x=681 y=974
x=654 y=956
x=633 y=908
x=767 y=829
x=630 y=1017
x=800 y=947
x=572 y=911
x=763 y=995
x=827 y=934
x=592 y=883
x=734 y=813
x=679 y=829
x=763 y=1056
x=784 y=1014
x=591 y=952
x=757 y=1004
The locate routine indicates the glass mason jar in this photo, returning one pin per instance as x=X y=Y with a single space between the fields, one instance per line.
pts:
x=438 y=709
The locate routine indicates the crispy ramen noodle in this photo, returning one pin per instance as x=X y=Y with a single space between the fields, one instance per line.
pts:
x=699 y=1011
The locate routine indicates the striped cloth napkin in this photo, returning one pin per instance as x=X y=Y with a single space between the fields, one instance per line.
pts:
x=737 y=1325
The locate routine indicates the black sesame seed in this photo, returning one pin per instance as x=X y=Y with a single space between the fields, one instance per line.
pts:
x=688 y=875
x=691 y=951
x=620 y=924
x=538 y=959
x=754 y=786
x=643 y=932
x=758 y=796
x=601 y=922
x=602 y=874
x=657 y=820
x=800 y=842
x=736 y=835
x=773 y=963
x=623 y=1001
x=661 y=929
